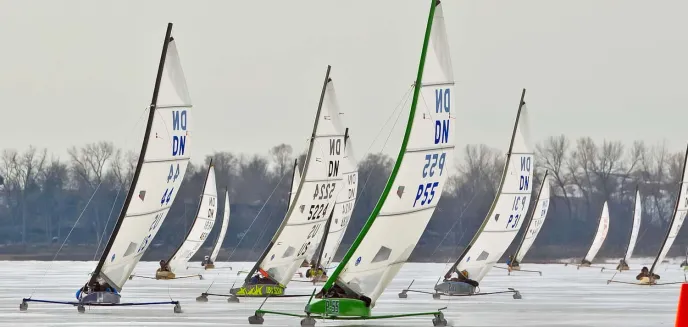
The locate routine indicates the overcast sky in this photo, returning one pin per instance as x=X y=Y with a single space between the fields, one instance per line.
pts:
x=78 y=71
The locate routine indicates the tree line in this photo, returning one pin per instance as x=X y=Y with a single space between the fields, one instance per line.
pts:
x=42 y=198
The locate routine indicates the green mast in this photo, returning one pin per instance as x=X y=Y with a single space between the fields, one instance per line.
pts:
x=416 y=91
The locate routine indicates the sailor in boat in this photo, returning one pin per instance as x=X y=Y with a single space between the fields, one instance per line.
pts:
x=338 y=292
x=315 y=273
x=163 y=266
x=460 y=278
x=585 y=263
x=512 y=263
x=207 y=261
x=95 y=286
x=622 y=265
x=645 y=273
x=684 y=263
x=259 y=279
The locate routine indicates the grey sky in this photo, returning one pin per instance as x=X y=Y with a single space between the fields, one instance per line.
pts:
x=79 y=71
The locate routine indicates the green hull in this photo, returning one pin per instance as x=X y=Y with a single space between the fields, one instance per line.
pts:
x=258 y=290
x=338 y=308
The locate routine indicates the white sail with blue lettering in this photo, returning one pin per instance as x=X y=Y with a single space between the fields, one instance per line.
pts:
x=535 y=224
x=600 y=235
x=223 y=230
x=508 y=209
x=315 y=197
x=202 y=225
x=346 y=200
x=159 y=173
x=411 y=195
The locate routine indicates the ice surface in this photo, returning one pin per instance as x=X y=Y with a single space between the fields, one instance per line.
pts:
x=563 y=296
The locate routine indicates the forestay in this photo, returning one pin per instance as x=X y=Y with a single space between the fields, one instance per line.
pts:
x=677 y=219
x=417 y=180
x=315 y=197
x=538 y=218
x=601 y=234
x=223 y=230
x=159 y=172
x=637 y=213
x=202 y=225
x=343 y=208
x=509 y=207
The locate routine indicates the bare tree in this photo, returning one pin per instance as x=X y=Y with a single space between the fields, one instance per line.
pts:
x=282 y=157
x=552 y=153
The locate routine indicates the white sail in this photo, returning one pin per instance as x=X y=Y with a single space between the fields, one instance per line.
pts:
x=223 y=230
x=314 y=199
x=508 y=209
x=535 y=225
x=202 y=225
x=601 y=234
x=637 y=213
x=412 y=194
x=160 y=175
x=342 y=209
x=677 y=220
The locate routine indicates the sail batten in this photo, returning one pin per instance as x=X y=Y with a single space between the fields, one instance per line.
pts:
x=159 y=171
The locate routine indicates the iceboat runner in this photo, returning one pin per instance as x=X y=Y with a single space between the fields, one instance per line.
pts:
x=209 y=261
x=501 y=224
x=649 y=277
x=312 y=206
x=408 y=200
x=196 y=235
x=537 y=219
x=159 y=173
x=338 y=223
x=637 y=213
x=600 y=236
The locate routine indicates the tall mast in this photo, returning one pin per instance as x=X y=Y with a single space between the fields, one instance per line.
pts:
x=400 y=156
x=501 y=185
x=142 y=155
x=305 y=171
x=673 y=217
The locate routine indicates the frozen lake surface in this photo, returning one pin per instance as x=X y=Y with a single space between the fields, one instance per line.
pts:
x=563 y=296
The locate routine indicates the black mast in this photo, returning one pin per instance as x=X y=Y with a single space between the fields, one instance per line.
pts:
x=142 y=155
x=198 y=211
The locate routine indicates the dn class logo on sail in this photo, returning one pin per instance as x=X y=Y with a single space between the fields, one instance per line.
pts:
x=178 y=124
x=442 y=104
